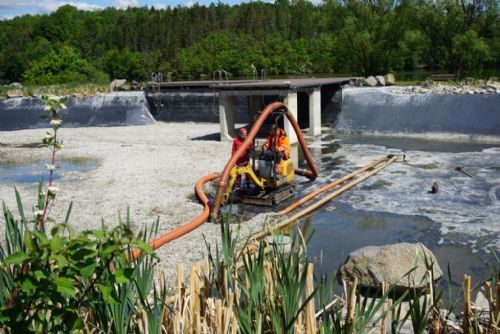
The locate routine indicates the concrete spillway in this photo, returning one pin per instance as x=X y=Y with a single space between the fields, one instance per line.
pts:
x=114 y=109
x=380 y=111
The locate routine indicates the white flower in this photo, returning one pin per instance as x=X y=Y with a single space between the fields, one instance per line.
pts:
x=50 y=167
x=48 y=136
x=63 y=106
x=53 y=190
x=38 y=213
x=55 y=122
x=47 y=108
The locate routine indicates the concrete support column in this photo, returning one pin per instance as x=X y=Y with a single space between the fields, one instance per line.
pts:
x=226 y=117
x=294 y=155
x=291 y=104
x=314 y=112
x=254 y=106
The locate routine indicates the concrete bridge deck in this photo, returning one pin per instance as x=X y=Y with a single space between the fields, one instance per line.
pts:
x=282 y=89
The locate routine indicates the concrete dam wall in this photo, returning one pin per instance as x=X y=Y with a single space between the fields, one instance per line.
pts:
x=114 y=109
x=370 y=110
x=377 y=110
x=193 y=106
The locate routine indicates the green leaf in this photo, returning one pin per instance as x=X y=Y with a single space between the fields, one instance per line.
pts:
x=56 y=244
x=60 y=260
x=123 y=275
x=107 y=294
x=66 y=220
x=42 y=237
x=28 y=285
x=87 y=271
x=74 y=322
x=98 y=234
x=109 y=249
x=20 y=205
x=82 y=254
x=65 y=285
x=28 y=241
x=39 y=274
x=146 y=248
x=16 y=258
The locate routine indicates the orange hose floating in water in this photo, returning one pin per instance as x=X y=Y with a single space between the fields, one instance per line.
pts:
x=329 y=186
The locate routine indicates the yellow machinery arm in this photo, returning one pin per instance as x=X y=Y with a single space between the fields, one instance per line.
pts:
x=240 y=170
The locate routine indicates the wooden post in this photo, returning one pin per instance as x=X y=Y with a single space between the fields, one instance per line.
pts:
x=196 y=294
x=218 y=317
x=467 y=306
x=224 y=281
x=491 y=302
x=180 y=286
x=351 y=305
x=206 y=280
x=310 y=310
x=383 y=309
x=192 y=297
x=388 y=316
x=497 y=303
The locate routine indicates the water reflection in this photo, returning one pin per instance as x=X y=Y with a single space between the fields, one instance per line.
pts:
x=32 y=172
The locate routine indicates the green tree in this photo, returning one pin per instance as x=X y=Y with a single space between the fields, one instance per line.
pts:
x=61 y=66
x=126 y=64
x=454 y=29
x=368 y=39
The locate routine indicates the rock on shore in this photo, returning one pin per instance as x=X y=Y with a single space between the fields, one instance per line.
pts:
x=402 y=265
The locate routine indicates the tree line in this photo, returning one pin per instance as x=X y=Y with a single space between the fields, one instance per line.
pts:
x=297 y=37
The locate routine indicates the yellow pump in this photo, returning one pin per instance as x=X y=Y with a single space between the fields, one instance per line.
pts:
x=263 y=181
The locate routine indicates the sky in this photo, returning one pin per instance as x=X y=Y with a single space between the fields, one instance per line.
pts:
x=12 y=8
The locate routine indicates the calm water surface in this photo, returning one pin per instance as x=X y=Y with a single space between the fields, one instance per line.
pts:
x=35 y=171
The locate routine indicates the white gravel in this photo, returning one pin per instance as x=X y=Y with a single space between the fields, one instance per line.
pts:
x=151 y=169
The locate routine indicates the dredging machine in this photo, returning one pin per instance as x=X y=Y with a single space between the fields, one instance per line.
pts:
x=267 y=177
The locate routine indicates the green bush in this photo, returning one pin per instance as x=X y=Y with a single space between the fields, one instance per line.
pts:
x=62 y=65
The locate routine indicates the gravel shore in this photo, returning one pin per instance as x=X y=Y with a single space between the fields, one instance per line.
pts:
x=152 y=169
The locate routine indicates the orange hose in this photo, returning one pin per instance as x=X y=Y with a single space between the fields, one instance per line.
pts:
x=200 y=219
x=189 y=226
x=251 y=135
x=329 y=186
x=313 y=173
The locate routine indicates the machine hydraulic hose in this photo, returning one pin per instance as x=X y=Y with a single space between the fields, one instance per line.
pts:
x=276 y=106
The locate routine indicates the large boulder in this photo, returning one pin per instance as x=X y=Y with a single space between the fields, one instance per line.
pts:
x=14 y=93
x=389 y=79
x=380 y=80
x=370 y=81
x=118 y=84
x=401 y=265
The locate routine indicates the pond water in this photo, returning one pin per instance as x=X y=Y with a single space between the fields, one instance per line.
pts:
x=460 y=223
x=32 y=172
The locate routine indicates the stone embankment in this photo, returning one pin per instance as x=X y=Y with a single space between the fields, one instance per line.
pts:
x=490 y=86
x=478 y=87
